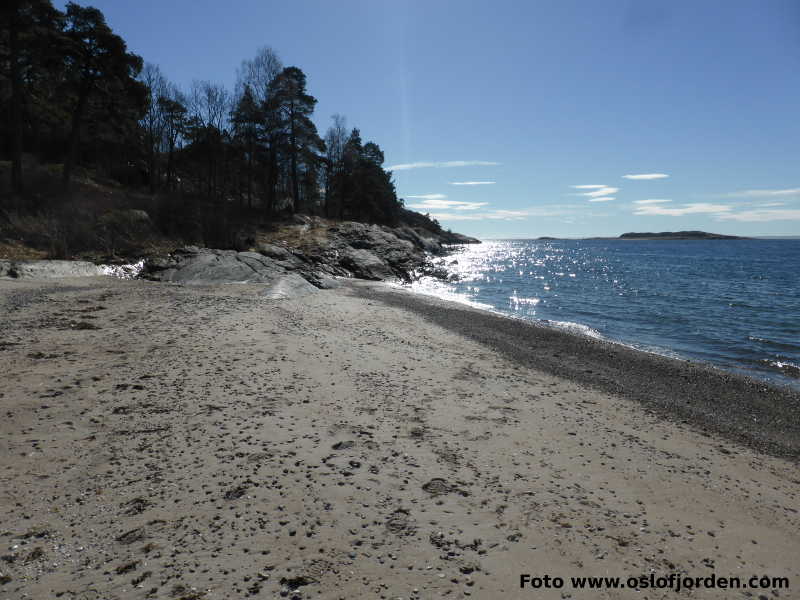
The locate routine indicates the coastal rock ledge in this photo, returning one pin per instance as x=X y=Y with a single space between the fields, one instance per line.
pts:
x=314 y=253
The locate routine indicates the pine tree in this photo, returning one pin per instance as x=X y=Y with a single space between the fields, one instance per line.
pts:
x=293 y=106
x=98 y=63
x=246 y=118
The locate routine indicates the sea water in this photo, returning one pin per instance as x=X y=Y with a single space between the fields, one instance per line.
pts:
x=732 y=303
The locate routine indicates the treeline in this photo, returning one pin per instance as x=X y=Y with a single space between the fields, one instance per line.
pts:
x=76 y=96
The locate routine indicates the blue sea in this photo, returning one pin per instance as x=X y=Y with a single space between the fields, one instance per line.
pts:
x=732 y=303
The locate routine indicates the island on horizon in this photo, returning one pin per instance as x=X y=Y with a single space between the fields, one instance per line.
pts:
x=679 y=235
x=663 y=235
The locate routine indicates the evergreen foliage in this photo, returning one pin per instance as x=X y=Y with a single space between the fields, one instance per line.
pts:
x=75 y=96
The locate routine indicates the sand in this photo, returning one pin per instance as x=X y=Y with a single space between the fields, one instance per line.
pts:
x=172 y=442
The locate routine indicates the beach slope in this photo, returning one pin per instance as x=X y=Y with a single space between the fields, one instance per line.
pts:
x=161 y=441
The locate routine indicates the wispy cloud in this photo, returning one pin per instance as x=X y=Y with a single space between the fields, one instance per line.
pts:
x=429 y=196
x=761 y=216
x=549 y=211
x=652 y=201
x=441 y=165
x=472 y=182
x=646 y=176
x=440 y=204
x=686 y=209
x=598 y=193
x=503 y=215
x=604 y=199
x=762 y=193
x=592 y=186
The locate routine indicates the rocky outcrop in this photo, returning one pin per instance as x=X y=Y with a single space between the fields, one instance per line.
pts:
x=205 y=266
x=451 y=238
x=285 y=274
x=374 y=252
x=321 y=252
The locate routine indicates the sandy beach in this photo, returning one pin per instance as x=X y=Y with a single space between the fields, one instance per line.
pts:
x=164 y=441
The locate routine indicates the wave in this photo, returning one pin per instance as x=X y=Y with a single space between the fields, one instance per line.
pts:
x=436 y=288
x=129 y=271
x=785 y=367
x=781 y=345
x=519 y=301
x=573 y=327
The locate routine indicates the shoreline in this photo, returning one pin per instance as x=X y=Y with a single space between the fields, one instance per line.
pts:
x=658 y=382
x=788 y=383
x=208 y=442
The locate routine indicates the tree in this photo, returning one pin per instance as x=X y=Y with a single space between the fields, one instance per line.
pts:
x=29 y=42
x=335 y=139
x=293 y=107
x=153 y=122
x=173 y=111
x=246 y=119
x=209 y=108
x=97 y=63
x=257 y=73
x=363 y=189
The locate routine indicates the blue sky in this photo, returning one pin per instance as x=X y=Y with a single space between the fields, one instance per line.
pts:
x=522 y=102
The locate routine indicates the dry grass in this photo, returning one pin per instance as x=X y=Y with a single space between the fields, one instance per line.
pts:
x=13 y=250
x=301 y=237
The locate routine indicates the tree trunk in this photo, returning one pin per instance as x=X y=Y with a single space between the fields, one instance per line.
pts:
x=271 y=180
x=295 y=182
x=16 y=102
x=74 y=135
x=152 y=167
x=250 y=176
x=169 y=166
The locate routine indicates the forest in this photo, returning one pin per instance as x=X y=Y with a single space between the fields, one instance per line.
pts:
x=83 y=113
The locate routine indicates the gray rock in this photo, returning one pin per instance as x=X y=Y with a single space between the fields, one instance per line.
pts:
x=322 y=280
x=274 y=252
x=203 y=266
x=365 y=265
x=290 y=285
x=425 y=243
x=47 y=269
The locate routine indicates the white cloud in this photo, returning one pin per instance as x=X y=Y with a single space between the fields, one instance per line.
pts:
x=440 y=165
x=604 y=199
x=646 y=176
x=440 y=204
x=686 y=209
x=588 y=187
x=472 y=182
x=652 y=201
x=429 y=196
x=605 y=191
x=762 y=216
x=762 y=193
x=502 y=215
x=771 y=204
x=512 y=215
